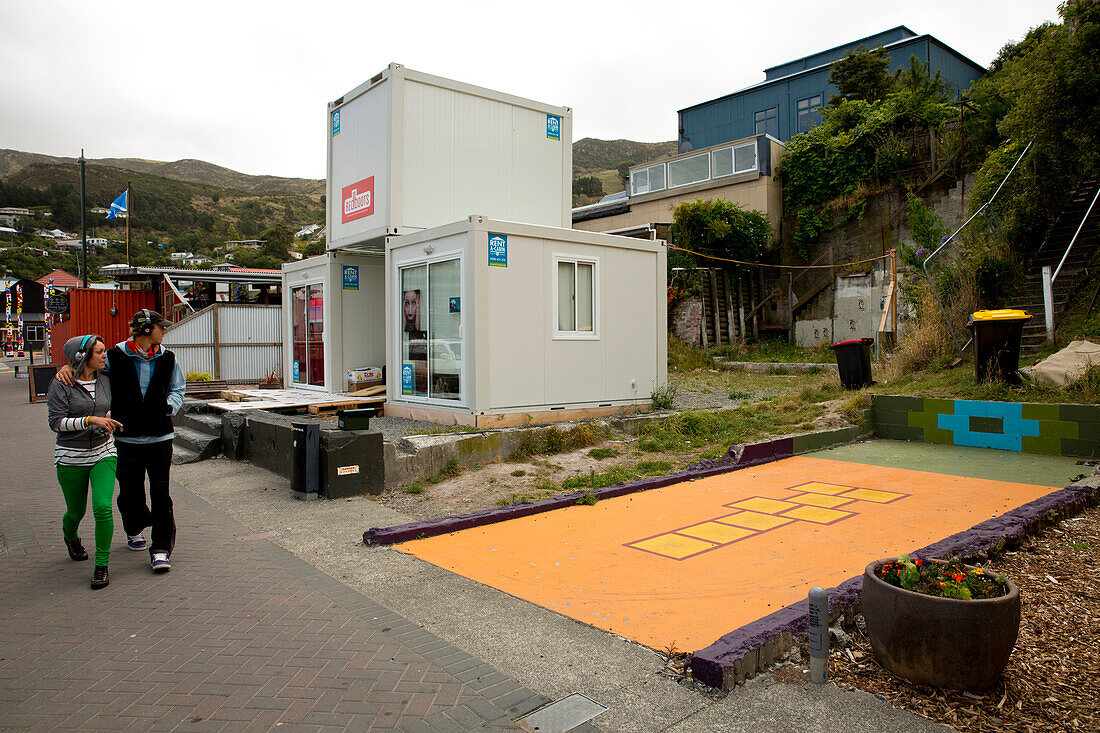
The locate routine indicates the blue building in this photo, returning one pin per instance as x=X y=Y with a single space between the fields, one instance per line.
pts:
x=789 y=99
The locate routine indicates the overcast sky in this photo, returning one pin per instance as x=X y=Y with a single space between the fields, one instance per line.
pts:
x=245 y=84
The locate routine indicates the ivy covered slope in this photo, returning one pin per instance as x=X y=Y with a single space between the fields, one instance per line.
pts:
x=862 y=142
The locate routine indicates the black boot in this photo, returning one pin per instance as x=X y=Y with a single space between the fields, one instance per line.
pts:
x=76 y=550
x=99 y=577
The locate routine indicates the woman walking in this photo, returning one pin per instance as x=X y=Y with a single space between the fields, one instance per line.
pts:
x=85 y=450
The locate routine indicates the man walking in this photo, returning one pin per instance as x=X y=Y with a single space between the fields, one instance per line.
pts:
x=147 y=387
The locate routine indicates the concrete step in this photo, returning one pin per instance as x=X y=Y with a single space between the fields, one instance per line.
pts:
x=201 y=444
x=181 y=456
x=205 y=422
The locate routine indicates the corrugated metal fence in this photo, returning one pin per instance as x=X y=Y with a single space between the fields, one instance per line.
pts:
x=103 y=312
x=232 y=341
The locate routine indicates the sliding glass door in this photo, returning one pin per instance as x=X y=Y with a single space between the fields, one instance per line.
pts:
x=307 y=334
x=431 y=330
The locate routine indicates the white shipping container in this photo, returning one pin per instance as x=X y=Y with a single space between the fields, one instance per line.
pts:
x=409 y=151
x=488 y=317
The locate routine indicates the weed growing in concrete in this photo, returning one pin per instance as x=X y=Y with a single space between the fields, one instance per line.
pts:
x=663 y=397
x=601 y=453
x=415 y=488
x=586 y=499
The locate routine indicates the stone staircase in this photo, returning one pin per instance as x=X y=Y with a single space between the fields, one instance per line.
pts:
x=198 y=433
x=1074 y=271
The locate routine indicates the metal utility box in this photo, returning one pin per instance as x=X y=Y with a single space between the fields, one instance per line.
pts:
x=409 y=151
x=493 y=323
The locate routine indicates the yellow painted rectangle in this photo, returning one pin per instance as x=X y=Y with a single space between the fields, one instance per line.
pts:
x=817 y=514
x=753 y=520
x=673 y=545
x=759 y=504
x=717 y=532
x=818 y=500
x=818 y=487
x=880 y=497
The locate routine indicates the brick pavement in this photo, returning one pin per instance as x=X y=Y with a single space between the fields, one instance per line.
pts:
x=241 y=635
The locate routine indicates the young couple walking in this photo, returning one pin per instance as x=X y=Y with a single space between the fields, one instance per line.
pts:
x=112 y=411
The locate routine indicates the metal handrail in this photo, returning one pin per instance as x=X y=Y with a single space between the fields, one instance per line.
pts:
x=1079 y=228
x=947 y=240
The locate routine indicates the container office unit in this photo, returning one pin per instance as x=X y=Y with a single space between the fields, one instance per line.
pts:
x=334 y=294
x=495 y=323
x=409 y=151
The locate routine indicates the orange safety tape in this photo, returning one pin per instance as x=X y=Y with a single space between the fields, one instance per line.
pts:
x=781 y=267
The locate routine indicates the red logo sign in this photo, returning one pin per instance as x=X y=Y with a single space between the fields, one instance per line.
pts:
x=358 y=200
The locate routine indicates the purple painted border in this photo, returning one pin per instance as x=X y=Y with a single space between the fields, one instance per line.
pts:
x=736 y=458
x=753 y=647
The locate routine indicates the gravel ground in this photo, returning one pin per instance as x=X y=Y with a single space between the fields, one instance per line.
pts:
x=1051 y=683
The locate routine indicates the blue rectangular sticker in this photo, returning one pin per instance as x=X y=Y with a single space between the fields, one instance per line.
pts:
x=498 y=250
x=336 y=123
x=553 y=127
x=351 y=277
x=297 y=372
x=454 y=305
x=406 y=378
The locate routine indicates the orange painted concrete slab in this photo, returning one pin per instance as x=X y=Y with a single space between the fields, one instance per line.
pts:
x=690 y=562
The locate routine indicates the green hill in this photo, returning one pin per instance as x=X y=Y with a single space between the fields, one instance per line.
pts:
x=187 y=170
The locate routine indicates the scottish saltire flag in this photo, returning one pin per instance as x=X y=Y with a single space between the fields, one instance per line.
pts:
x=117 y=206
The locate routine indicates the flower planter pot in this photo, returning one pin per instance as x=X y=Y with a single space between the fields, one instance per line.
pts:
x=940 y=642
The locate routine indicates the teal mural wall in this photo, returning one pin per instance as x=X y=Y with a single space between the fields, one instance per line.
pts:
x=1057 y=429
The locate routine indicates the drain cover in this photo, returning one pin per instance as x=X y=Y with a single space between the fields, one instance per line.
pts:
x=563 y=715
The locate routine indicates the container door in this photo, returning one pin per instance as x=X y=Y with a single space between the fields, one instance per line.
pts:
x=431 y=330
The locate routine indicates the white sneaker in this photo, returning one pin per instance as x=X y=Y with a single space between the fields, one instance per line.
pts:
x=160 y=563
x=136 y=541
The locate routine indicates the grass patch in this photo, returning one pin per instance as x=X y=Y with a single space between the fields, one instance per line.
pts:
x=556 y=440
x=414 y=488
x=773 y=351
x=684 y=357
x=518 y=472
x=601 y=453
x=450 y=469
x=586 y=499
x=696 y=430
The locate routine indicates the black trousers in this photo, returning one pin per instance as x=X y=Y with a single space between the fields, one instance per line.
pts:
x=135 y=460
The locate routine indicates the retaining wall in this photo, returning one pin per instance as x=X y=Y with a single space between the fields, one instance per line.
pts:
x=1055 y=429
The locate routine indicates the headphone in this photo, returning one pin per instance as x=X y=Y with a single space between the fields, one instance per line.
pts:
x=145 y=321
x=82 y=351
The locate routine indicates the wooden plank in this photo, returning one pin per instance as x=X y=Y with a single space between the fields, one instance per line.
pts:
x=321 y=407
x=368 y=391
x=714 y=305
x=230 y=395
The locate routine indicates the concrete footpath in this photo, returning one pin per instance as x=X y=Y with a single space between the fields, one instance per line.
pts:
x=240 y=635
x=276 y=617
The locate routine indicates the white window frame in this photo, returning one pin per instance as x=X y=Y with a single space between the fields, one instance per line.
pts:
x=594 y=334
x=649 y=188
x=684 y=160
x=463 y=391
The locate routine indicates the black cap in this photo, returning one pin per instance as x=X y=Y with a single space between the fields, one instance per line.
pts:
x=145 y=319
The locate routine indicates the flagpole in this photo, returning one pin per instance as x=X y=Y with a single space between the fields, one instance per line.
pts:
x=83 y=231
x=128 y=207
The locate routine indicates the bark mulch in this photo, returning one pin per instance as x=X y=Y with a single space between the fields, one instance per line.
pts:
x=1052 y=682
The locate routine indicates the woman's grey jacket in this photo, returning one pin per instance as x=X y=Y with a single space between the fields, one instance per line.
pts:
x=75 y=401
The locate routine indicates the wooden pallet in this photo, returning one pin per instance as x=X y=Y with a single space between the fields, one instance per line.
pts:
x=330 y=408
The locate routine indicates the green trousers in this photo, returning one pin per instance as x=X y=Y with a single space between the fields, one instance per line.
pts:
x=74 y=482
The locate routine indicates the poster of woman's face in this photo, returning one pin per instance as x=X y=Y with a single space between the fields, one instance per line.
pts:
x=410 y=308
